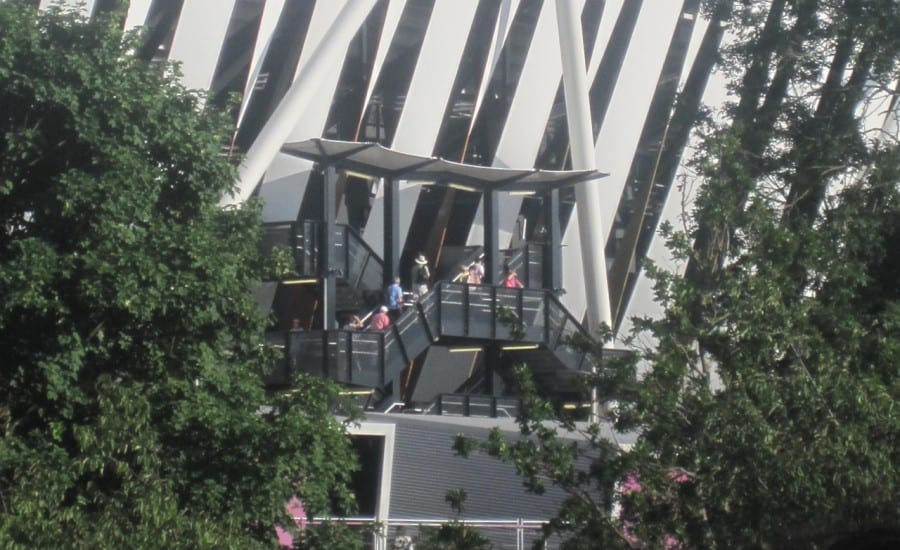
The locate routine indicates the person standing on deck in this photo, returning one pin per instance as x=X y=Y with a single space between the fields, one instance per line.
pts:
x=421 y=276
x=510 y=279
x=394 y=298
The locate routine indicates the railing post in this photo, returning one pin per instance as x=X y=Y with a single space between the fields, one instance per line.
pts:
x=391 y=230
x=381 y=375
x=491 y=236
x=440 y=313
x=349 y=337
x=493 y=312
x=520 y=306
x=325 y=355
x=465 y=309
x=546 y=320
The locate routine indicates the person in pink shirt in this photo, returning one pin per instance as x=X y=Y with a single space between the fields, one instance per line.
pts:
x=380 y=321
x=510 y=279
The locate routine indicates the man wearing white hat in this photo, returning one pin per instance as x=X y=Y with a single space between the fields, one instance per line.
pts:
x=421 y=276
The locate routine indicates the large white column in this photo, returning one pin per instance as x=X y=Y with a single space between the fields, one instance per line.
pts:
x=587 y=195
x=283 y=120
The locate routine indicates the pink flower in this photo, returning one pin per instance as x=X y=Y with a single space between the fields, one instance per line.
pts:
x=670 y=542
x=678 y=476
x=285 y=539
x=631 y=484
x=294 y=507
x=628 y=533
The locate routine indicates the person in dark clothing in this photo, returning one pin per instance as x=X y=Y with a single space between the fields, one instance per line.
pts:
x=421 y=276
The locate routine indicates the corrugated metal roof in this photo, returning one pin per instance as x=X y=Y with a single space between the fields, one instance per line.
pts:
x=425 y=468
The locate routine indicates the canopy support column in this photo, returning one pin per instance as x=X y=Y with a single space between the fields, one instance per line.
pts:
x=391 y=229
x=329 y=273
x=491 y=245
x=553 y=245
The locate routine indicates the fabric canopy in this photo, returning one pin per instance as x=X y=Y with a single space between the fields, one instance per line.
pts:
x=373 y=159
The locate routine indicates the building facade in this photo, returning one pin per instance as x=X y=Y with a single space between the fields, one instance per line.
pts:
x=477 y=82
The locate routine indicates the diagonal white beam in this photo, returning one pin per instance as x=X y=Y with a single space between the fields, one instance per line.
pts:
x=587 y=195
x=284 y=118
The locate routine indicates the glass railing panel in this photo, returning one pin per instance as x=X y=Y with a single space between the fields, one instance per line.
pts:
x=569 y=356
x=508 y=299
x=481 y=405
x=556 y=319
x=365 y=368
x=534 y=272
x=334 y=370
x=307 y=352
x=453 y=318
x=340 y=262
x=357 y=256
x=480 y=313
x=364 y=268
x=341 y=367
x=454 y=405
x=572 y=333
x=275 y=235
x=412 y=332
x=279 y=372
x=428 y=307
x=372 y=274
x=394 y=361
x=533 y=315
x=507 y=407
x=307 y=248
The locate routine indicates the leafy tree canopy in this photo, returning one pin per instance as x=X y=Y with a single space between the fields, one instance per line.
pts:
x=767 y=408
x=132 y=411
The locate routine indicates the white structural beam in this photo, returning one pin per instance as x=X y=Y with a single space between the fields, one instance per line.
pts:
x=271 y=11
x=137 y=13
x=529 y=111
x=284 y=118
x=587 y=195
x=198 y=40
x=287 y=177
x=423 y=110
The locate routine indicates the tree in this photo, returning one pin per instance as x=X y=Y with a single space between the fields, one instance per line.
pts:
x=133 y=412
x=454 y=534
x=766 y=408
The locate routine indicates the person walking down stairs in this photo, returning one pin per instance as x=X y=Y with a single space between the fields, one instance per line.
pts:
x=421 y=276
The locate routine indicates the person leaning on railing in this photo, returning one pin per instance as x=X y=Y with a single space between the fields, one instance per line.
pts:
x=380 y=320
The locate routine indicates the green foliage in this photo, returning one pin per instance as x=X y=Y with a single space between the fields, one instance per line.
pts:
x=454 y=534
x=329 y=535
x=132 y=411
x=766 y=405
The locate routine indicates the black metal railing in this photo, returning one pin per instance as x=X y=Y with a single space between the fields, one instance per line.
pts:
x=354 y=259
x=374 y=359
x=459 y=404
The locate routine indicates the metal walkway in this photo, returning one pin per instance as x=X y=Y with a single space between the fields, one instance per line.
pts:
x=449 y=311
